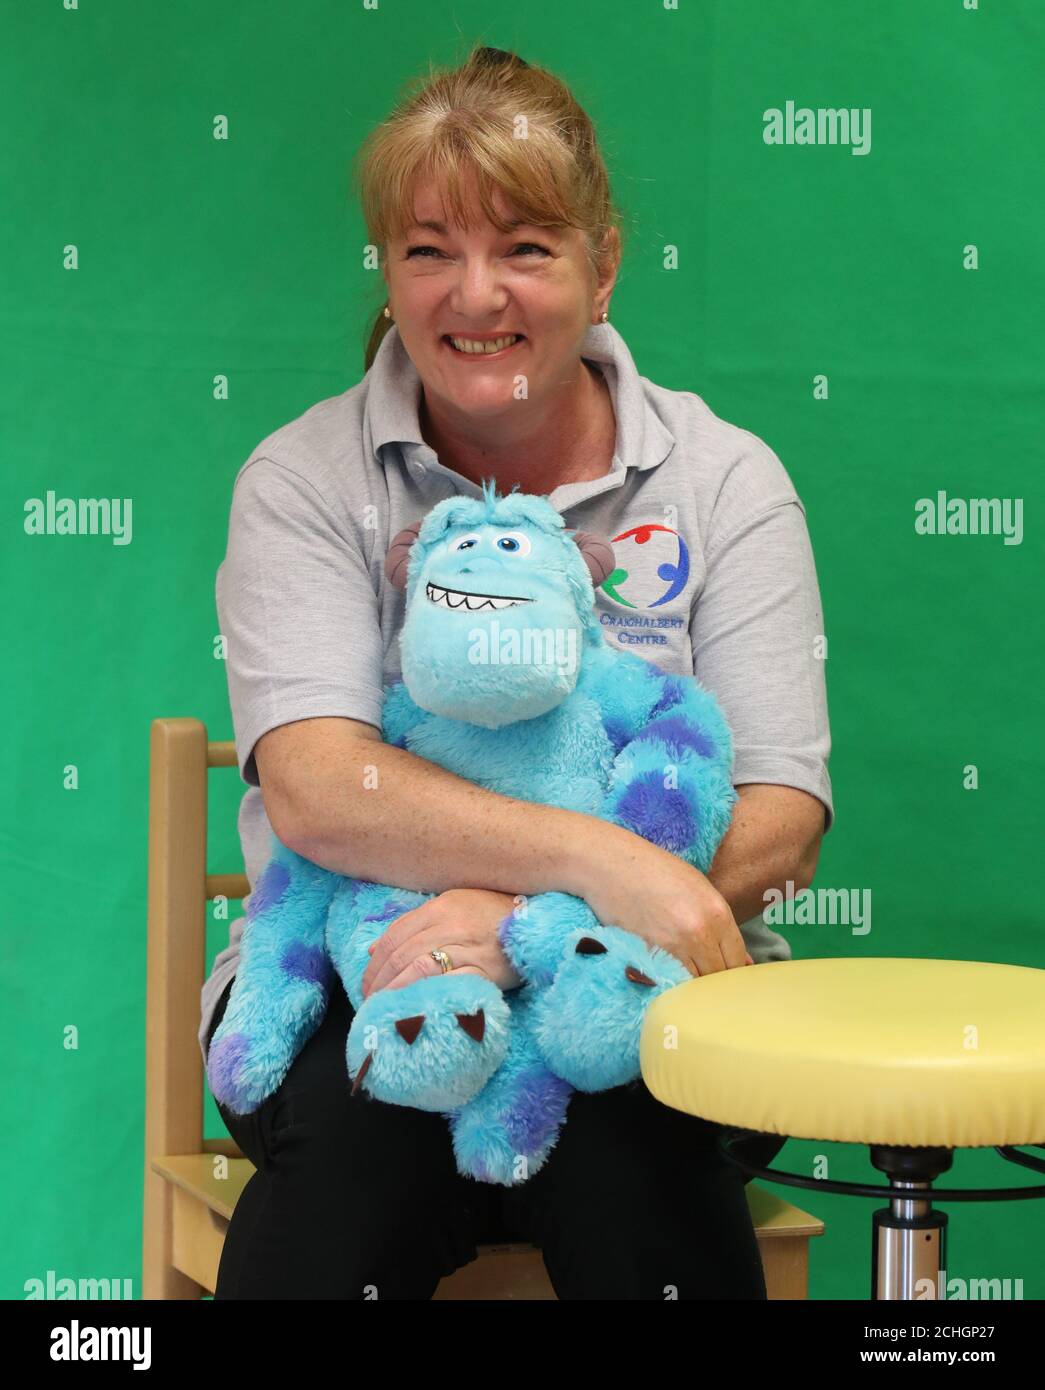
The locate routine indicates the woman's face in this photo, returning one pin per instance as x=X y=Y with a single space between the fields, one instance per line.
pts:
x=483 y=284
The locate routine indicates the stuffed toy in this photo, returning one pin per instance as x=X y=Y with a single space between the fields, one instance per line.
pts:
x=507 y=680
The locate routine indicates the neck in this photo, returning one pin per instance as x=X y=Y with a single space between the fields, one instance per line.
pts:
x=571 y=441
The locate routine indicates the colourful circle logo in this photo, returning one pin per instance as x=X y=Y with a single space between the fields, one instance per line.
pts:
x=654 y=575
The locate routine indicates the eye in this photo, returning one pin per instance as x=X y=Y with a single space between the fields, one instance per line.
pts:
x=528 y=246
x=464 y=542
x=513 y=543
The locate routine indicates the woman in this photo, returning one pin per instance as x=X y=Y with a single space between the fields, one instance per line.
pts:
x=493 y=358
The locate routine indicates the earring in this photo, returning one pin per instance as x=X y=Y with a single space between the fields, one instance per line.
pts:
x=388 y=312
x=605 y=317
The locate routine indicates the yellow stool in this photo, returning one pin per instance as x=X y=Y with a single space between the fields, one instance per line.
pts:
x=914 y=1057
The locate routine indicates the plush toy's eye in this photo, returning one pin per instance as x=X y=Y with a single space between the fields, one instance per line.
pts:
x=464 y=542
x=513 y=543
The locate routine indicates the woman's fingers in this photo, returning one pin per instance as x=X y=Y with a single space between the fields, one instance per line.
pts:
x=415 y=961
x=379 y=973
x=400 y=930
x=421 y=966
x=468 y=917
x=734 y=952
x=410 y=974
x=718 y=955
x=719 y=942
x=707 y=956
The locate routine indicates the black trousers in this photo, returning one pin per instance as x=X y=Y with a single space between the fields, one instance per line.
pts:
x=356 y=1199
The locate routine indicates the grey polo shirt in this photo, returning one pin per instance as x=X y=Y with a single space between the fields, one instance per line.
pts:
x=715 y=576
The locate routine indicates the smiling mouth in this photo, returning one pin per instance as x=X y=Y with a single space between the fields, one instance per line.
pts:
x=470 y=603
x=496 y=347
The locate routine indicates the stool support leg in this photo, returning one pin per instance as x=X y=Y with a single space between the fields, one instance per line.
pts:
x=909 y=1238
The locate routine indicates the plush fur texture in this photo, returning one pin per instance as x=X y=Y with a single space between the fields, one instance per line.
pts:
x=516 y=689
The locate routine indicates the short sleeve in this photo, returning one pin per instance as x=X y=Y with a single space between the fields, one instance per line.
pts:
x=754 y=630
x=297 y=608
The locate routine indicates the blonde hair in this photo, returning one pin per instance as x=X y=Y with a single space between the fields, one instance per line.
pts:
x=462 y=122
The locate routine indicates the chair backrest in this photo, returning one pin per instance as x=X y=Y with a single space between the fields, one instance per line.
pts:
x=179 y=891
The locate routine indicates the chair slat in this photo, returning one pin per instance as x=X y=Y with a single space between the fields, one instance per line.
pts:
x=232 y=886
x=222 y=754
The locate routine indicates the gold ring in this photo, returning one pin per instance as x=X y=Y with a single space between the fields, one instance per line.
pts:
x=443 y=959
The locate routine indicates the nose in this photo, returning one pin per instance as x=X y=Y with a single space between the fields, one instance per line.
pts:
x=480 y=564
x=477 y=294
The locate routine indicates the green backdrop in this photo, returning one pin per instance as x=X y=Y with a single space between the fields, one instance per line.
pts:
x=199 y=258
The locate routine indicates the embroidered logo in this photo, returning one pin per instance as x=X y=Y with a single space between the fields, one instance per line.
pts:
x=652 y=576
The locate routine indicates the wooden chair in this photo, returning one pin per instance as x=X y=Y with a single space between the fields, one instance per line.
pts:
x=191 y=1183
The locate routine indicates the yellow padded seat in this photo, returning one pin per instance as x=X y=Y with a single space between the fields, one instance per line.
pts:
x=891 y=1050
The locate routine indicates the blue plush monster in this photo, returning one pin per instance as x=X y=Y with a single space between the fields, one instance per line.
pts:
x=507 y=680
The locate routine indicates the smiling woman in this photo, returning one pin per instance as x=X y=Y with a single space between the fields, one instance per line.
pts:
x=493 y=361
x=493 y=277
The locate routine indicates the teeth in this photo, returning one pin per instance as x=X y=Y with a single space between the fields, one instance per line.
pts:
x=467 y=345
x=471 y=603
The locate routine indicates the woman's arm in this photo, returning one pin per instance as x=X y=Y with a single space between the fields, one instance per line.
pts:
x=757 y=634
x=361 y=807
x=773 y=842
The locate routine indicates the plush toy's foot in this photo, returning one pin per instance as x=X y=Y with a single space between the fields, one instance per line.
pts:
x=506 y=1133
x=587 y=1023
x=430 y=1045
x=247 y=1061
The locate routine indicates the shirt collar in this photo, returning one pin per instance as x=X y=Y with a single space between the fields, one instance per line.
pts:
x=394 y=392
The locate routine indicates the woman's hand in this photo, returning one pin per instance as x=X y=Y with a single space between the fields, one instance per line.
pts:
x=666 y=901
x=463 y=922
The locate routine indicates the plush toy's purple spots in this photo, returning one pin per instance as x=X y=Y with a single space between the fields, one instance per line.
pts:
x=679 y=735
x=270 y=888
x=307 y=962
x=662 y=815
x=388 y=913
x=223 y=1062
x=617 y=732
x=504 y=928
x=537 y=1109
x=673 y=690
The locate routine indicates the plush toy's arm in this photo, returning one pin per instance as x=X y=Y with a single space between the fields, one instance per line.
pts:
x=282 y=983
x=670 y=784
x=671 y=780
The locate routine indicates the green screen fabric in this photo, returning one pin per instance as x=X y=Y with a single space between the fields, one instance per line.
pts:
x=169 y=298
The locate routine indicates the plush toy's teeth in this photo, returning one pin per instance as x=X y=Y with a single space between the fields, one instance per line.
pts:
x=455 y=598
x=473 y=601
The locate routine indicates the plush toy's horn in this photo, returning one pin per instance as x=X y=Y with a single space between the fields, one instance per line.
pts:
x=399 y=554
x=598 y=555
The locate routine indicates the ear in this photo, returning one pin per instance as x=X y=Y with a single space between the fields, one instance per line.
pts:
x=396 y=561
x=598 y=555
